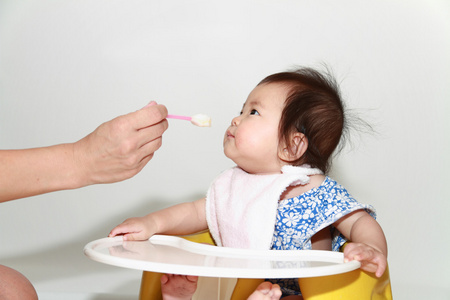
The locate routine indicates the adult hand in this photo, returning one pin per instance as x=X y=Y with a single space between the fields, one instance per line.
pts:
x=115 y=151
x=120 y=148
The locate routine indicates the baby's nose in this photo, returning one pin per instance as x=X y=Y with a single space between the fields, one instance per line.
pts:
x=235 y=121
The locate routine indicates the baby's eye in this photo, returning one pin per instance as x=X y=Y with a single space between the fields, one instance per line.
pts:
x=254 y=112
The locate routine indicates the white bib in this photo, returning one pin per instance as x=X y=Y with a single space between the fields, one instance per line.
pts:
x=241 y=207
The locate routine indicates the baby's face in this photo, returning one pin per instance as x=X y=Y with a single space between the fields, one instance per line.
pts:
x=252 y=139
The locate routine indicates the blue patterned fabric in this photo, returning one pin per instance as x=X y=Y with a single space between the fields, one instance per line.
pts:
x=299 y=218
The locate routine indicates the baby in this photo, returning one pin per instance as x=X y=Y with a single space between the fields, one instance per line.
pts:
x=278 y=196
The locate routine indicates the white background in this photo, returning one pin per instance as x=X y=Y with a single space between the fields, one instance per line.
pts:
x=67 y=66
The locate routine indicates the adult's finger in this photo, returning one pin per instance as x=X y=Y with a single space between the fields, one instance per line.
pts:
x=148 y=116
x=152 y=133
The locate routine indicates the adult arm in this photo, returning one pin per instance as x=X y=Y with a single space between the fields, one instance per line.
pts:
x=115 y=151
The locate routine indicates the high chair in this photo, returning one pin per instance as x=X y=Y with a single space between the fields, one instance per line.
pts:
x=354 y=285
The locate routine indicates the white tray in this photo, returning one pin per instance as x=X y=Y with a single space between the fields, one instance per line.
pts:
x=170 y=254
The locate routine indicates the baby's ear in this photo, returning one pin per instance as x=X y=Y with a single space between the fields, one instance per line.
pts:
x=296 y=148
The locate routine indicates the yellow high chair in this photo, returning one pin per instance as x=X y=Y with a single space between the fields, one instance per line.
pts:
x=354 y=285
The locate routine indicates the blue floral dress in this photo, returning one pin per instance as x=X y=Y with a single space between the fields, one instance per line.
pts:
x=299 y=218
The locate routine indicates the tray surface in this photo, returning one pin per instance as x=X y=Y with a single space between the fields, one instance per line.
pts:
x=175 y=255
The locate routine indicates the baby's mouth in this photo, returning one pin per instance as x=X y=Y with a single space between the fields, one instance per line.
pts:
x=229 y=135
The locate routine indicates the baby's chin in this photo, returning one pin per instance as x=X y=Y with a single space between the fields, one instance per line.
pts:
x=228 y=155
x=249 y=167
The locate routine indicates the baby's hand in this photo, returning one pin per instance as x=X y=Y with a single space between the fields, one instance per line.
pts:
x=372 y=260
x=134 y=229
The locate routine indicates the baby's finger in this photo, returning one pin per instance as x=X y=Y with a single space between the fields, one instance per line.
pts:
x=372 y=263
x=134 y=236
x=357 y=252
x=115 y=232
x=382 y=265
x=123 y=229
x=368 y=267
x=364 y=254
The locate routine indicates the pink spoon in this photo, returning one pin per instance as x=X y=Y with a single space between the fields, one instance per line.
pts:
x=198 y=120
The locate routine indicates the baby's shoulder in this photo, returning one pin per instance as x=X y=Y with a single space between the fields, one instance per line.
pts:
x=295 y=191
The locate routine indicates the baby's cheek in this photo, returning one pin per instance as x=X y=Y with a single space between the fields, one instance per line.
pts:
x=243 y=145
x=245 y=139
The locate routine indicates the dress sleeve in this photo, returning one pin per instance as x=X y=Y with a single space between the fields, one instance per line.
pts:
x=336 y=203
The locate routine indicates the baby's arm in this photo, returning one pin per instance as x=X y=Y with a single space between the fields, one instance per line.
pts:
x=368 y=243
x=184 y=218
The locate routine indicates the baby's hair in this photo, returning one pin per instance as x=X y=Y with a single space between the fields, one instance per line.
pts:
x=313 y=107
